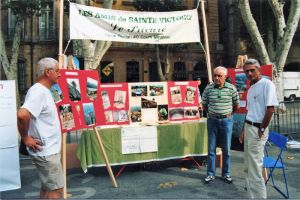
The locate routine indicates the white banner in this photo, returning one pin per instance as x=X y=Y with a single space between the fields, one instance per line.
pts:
x=94 y=23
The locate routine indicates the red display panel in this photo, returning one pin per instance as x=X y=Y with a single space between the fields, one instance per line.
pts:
x=239 y=79
x=115 y=103
x=78 y=99
x=183 y=100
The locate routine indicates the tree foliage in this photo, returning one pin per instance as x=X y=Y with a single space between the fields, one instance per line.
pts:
x=21 y=9
x=272 y=42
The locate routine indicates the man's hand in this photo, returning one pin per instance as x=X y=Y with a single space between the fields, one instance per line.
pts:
x=33 y=144
x=241 y=138
x=260 y=134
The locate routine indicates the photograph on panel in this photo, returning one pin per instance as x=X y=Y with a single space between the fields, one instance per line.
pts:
x=66 y=116
x=120 y=116
x=89 y=113
x=78 y=110
x=190 y=94
x=176 y=95
x=191 y=112
x=148 y=103
x=138 y=90
x=135 y=114
x=74 y=89
x=163 y=113
x=91 y=88
x=119 y=99
x=156 y=90
x=56 y=93
x=108 y=116
x=240 y=82
x=105 y=99
x=176 y=113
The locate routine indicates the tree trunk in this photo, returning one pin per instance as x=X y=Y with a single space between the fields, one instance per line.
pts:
x=92 y=51
x=11 y=69
x=253 y=31
x=159 y=69
x=168 y=65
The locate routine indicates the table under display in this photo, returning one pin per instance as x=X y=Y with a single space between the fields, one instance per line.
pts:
x=176 y=140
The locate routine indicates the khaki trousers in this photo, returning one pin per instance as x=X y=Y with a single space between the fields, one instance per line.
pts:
x=254 y=154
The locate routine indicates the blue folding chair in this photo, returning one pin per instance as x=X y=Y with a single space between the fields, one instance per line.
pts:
x=276 y=163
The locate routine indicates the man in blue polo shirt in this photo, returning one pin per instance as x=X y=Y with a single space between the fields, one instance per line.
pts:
x=220 y=99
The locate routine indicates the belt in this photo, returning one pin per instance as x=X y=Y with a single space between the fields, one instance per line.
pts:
x=219 y=116
x=256 y=124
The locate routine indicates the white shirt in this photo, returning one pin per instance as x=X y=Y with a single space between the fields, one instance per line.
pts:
x=260 y=95
x=44 y=122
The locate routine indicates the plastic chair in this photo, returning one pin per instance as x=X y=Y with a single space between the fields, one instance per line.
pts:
x=273 y=163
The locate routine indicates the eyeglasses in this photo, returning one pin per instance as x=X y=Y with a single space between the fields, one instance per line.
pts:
x=250 y=70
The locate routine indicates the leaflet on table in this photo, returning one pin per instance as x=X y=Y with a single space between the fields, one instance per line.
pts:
x=78 y=100
x=148 y=102
x=139 y=139
x=183 y=100
x=239 y=79
x=115 y=103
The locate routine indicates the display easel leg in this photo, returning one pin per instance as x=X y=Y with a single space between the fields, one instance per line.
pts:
x=120 y=171
x=108 y=167
x=64 y=164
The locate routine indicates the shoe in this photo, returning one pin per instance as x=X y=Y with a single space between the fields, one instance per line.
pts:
x=209 y=179
x=227 y=179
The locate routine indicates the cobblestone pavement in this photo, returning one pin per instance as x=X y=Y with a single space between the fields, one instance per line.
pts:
x=158 y=180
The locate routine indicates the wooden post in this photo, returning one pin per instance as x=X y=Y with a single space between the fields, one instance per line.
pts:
x=108 y=167
x=207 y=53
x=60 y=61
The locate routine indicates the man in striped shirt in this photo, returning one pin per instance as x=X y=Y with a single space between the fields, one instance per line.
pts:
x=220 y=99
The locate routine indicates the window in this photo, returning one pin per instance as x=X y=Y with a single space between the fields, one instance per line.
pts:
x=153 y=72
x=46 y=22
x=132 y=71
x=12 y=19
x=21 y=77
x=179 y=72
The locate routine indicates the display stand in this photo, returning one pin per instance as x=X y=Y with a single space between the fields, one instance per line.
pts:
x=64 y=164
x=108 y=167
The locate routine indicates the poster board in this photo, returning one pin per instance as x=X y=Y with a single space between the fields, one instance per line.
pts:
x=78 y=99
x=83 y=102
x=183 y=100
x=9 y=148
x=148 y=102
x=115 y=104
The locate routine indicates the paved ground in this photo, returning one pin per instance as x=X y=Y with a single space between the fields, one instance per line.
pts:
x=164 y=180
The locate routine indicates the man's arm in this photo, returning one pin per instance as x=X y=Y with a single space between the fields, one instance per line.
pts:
x=23 y=117
x=266 y=120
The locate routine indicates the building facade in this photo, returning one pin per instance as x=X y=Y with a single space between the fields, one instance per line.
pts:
x=128 y=62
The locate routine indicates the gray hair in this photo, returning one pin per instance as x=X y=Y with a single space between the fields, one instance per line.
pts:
x=252 y=61
x=45 y=63
x=222 y=68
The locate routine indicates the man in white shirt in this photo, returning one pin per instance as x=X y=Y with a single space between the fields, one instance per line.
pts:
x=39 y=127
x=261 y=102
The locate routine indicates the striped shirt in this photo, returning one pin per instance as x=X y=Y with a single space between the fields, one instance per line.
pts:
x=220 y=101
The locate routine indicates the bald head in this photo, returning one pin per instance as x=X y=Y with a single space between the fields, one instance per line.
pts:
x=220 y=70
x=220 y=74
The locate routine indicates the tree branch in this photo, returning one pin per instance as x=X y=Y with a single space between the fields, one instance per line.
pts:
x=277 y=9
x=253 y=31
x=286 y=42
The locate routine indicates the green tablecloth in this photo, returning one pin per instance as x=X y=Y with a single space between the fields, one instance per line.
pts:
x=174 y=141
